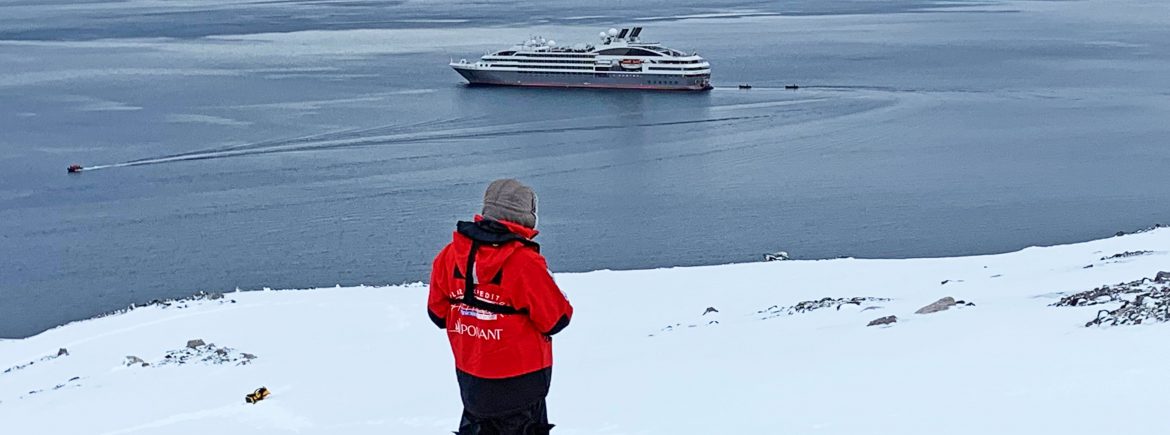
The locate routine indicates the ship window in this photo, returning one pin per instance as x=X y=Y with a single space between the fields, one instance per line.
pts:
x=627 y=52
x=505 y=53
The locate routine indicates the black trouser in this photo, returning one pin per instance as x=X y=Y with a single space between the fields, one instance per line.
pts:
x=511 y=406
x=528 y=421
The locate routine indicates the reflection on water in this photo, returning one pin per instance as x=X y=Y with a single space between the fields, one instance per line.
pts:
x=297 y=162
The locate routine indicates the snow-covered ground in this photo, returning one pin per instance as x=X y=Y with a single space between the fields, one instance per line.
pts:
x=640 y=356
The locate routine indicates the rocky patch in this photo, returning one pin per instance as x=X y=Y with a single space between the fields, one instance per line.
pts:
x=179 y=303
x=777 y=256
x=60 y=353
x=1143 y=230
x=185 y=302
x=1143 y=301
x=1106 y=294
x=196 y=351
x=810 y=306
x=1126 y=254
x=1149 y=307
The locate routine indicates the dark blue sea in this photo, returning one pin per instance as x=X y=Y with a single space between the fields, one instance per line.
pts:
x=296 y=144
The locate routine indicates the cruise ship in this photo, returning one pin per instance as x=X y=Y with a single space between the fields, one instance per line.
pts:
x=621 y=60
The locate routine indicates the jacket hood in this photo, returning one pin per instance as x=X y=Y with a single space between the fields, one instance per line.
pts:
x=495 y=239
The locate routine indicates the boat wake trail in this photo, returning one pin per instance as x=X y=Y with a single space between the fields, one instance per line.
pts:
x=404 y=134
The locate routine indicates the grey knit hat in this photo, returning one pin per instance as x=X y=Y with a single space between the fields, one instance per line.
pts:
x=510 y=200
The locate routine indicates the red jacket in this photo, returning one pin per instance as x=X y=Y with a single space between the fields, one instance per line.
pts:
x=505 y=329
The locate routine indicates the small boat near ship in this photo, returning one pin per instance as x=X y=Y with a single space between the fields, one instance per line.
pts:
x=621 y=61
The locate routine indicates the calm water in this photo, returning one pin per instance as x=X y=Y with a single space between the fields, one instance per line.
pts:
x=303 y=144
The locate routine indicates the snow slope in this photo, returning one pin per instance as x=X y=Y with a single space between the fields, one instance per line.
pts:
x=366 y=360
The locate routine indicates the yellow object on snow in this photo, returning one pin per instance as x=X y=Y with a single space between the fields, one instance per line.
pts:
x=257 y=396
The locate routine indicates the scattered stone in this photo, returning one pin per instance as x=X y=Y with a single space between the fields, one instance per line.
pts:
x=776 y=256
x=248 y=356
x=132 y=360
x=62 y=352
x=214 y=296
x=883 y=321
x=939 y=305
x=710 y=310
x=192 y=344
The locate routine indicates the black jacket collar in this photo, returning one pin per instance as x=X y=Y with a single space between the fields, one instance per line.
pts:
x=488 y=231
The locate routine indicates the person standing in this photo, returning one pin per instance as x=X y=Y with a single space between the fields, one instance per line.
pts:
x=492 y=291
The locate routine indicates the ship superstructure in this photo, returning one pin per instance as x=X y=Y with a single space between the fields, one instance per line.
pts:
x=620 y=60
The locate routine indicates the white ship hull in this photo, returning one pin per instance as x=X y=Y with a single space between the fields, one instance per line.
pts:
x=610 y=80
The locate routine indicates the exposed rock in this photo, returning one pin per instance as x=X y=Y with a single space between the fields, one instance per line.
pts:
x=710 y=310
x=248 y=356
x=1162 y=277
x=939 y=305
x=62 y=352
x=192 y=344
x=776 y=256
x=132 y=360
x=883 y=321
